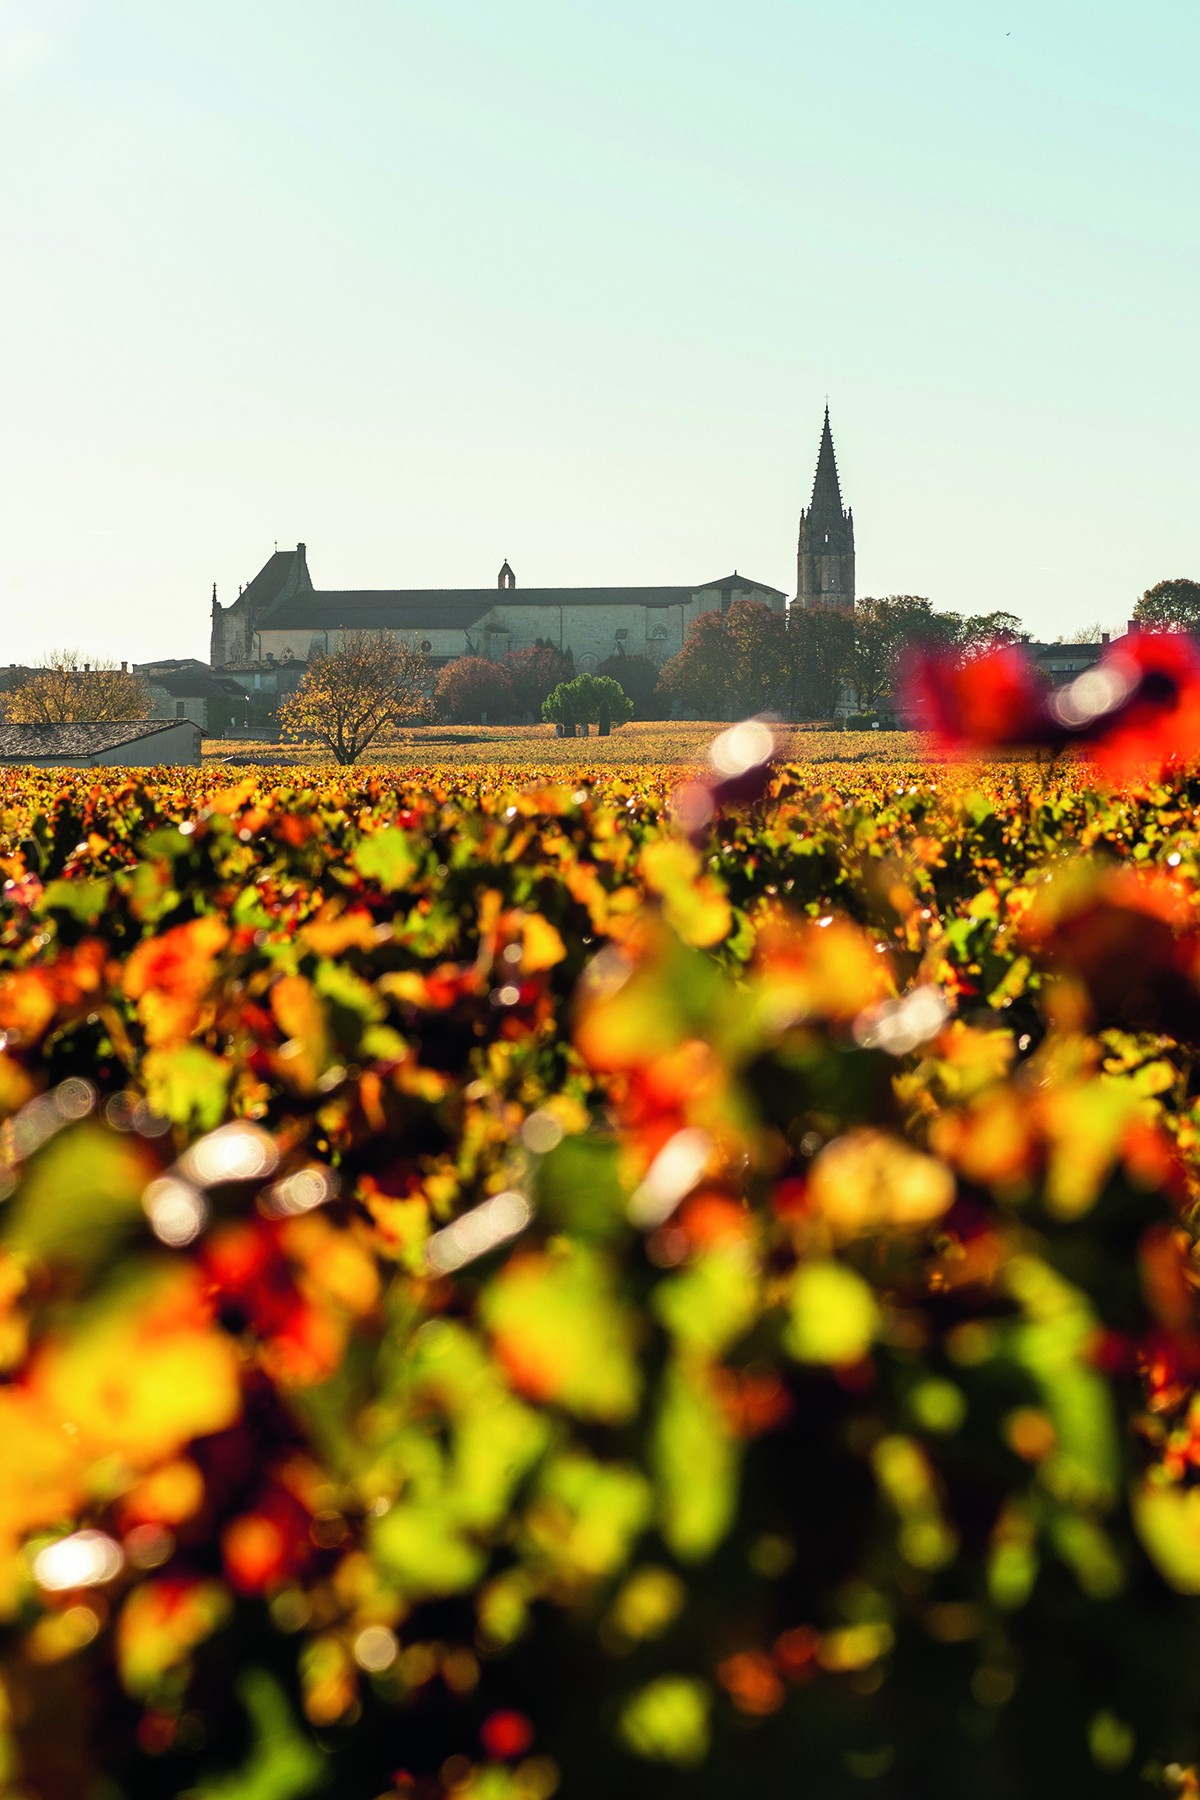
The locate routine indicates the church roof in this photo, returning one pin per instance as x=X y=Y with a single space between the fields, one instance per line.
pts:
x=453 y=608
x=742 y=583
x=826 y=503
x=282 y=572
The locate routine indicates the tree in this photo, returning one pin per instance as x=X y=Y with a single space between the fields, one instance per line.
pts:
x=988 y=631
x=471 y=686
x=733 y=663
x=360 y=692
x=885 y=629
x=223 y=715
x=761 y=677
x=535 y=673
x=639 y=678
x=1093 y=634
x=1171 y=605
x=821 y=653
x=699 y=676
x=66 y=692
x=581 y=701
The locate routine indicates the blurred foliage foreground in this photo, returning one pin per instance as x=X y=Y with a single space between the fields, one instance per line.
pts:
x=499 y=1297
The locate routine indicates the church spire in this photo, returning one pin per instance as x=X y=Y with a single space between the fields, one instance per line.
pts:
x=826 y=503
x=825 y=554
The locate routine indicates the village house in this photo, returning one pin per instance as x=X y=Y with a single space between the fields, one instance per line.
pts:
x=121 y=744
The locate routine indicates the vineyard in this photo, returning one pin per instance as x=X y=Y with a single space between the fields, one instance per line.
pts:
x=631 y=748
x=514 y=1281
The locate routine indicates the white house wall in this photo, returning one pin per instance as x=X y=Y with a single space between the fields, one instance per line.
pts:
x=180 y=745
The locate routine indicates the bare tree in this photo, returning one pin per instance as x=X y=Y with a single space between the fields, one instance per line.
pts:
x=67 y=691
x=362 y=691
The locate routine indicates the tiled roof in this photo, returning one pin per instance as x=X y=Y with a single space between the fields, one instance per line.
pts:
x=79 y=740
x=185 y=684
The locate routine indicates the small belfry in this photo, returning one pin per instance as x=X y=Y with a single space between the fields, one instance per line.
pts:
x=825 y=556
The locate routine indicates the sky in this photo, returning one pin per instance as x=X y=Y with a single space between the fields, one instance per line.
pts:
x=429 y=285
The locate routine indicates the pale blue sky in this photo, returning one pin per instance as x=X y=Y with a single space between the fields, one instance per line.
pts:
x=428 y=285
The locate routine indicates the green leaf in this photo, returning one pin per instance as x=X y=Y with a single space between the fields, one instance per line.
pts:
x=833 y=1315
x=168 y=841
x=385 y=857
x=580 y=1191
x=187 y=1085
x=587 y=1515
x=559 y=1324
x=84 y=900
x=696 y=1462
x=283 y=1764
x=714 y=1302
x=1055 y=1345
x=668 y=1721
x=421 y=1549
x=80 y=1194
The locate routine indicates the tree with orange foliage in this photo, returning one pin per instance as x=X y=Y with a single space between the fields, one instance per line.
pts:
x=67 y=691
x=358 y=694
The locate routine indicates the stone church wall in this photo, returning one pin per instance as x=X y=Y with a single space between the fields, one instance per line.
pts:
x=589 y=632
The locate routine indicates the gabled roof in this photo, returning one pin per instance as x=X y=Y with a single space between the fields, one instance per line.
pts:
x=83 y=739
x=740 y=584
x=283 y=573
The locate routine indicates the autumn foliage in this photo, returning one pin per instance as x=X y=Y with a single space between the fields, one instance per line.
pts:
x=513 y=1286
x=359 y=694
x=474 y=687
x=68 y=691
x=1138 y=707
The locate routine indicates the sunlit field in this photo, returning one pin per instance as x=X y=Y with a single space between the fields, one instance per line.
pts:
x=516 y=746
x=500 y=1296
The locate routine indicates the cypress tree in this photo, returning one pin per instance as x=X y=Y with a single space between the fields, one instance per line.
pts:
x=605 y=718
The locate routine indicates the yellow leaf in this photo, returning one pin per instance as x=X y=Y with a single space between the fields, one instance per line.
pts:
x=563 y=1335
x=694 y=905
x=541 y=945
x=833 y=1315
x=144 y=1374
x=1168 y=1522
x=869 y=1180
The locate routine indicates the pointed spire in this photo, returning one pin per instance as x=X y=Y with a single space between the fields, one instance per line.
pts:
x=826 y=503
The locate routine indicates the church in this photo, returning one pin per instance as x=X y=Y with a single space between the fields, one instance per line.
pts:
x=825 y=555
x=281 y=618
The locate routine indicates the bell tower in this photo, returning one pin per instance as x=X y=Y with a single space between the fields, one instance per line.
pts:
x=825 y=556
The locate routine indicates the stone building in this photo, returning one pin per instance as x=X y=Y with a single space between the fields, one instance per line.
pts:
x=280 y=619
x=123 y=744
x=183 y=688
x=825 y=554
